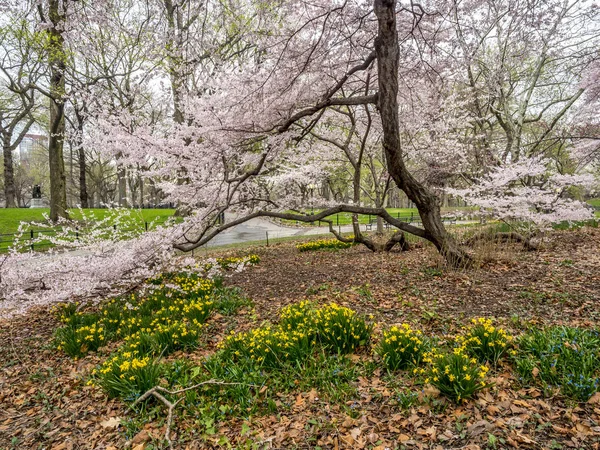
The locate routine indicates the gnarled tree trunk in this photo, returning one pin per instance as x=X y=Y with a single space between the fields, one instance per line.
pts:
x=387 y=50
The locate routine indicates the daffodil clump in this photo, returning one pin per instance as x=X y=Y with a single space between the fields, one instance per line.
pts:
x=231 y=262
x=455 y=374
x=77 y=341
x=484 y=341
x=564 y=358
x=298 y=315
x=300 y=329
x=341 y=329
x=270 y=346
x=323 y=243
x=401 y=347
x=127 y=374
x=170 y=314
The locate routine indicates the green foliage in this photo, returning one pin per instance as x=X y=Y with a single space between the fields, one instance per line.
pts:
x=229 y=301
x=298 y=315
x=402 y=347
x=231 y=262
x=167 y=317
x=563 y=357
x=77 y=341
x=301 y=328
x=127 y=375
x=323 y=244
x=484 y=341
x=270 y=346
x=341 y=329
x=454 y=373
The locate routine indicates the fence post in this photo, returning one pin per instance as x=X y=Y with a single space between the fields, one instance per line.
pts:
x=76 y=234
x=337 y=219
x=31 y=235
x=411 y=217
x=398 y=215
x=267 y=238
x=115 y=227
x=146 y=224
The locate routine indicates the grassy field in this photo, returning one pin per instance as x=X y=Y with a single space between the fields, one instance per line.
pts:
x=10 y=218
x=346 y=218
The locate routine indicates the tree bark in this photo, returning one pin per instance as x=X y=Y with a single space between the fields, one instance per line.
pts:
x=58 y=189
x=9 y=176
x=83 y=192
x=387 y=49
x=122 y=186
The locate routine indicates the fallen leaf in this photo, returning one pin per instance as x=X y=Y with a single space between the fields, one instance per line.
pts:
x=594 y=399
x=110 y=423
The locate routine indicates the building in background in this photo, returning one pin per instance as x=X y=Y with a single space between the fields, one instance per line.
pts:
x=31 y=143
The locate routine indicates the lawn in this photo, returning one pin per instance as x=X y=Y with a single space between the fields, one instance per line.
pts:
x=399 y=213
x=10 y=218
x=388 y=365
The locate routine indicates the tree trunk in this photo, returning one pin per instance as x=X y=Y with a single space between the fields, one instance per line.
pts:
x=141 y=192
x=9 y=176
x=83 y=193
x=122 y=186
x=58 y=182
x=386 y=47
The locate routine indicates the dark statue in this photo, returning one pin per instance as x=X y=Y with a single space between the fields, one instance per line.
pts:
x=37 y=191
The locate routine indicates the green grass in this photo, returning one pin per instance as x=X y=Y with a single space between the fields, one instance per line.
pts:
x=10 y=218
x=346 y=218
x=595 y=202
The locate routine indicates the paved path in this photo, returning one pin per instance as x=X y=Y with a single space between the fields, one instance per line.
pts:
x=257 y=230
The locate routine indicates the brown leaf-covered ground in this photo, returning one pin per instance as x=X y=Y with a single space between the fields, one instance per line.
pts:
x=45 y=403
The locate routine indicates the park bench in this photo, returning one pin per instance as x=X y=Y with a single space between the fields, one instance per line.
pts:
x=449 y=220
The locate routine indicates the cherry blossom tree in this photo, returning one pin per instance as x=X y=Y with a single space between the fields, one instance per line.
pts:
x=245 y=116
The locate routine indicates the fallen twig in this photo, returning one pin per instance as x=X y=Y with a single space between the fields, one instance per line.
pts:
x=156 y=393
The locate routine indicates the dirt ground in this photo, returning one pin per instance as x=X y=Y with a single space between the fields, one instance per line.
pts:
x=44 y=402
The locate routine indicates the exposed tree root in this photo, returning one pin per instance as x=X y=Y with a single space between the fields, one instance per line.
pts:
x=398 y=238
x=502 y=237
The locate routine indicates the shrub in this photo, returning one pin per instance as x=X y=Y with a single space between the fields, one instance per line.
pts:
x=563 y=357
x=323 y=243
x=455 y=374
x=341 y=329
x=484 y=341
x=401 y=347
